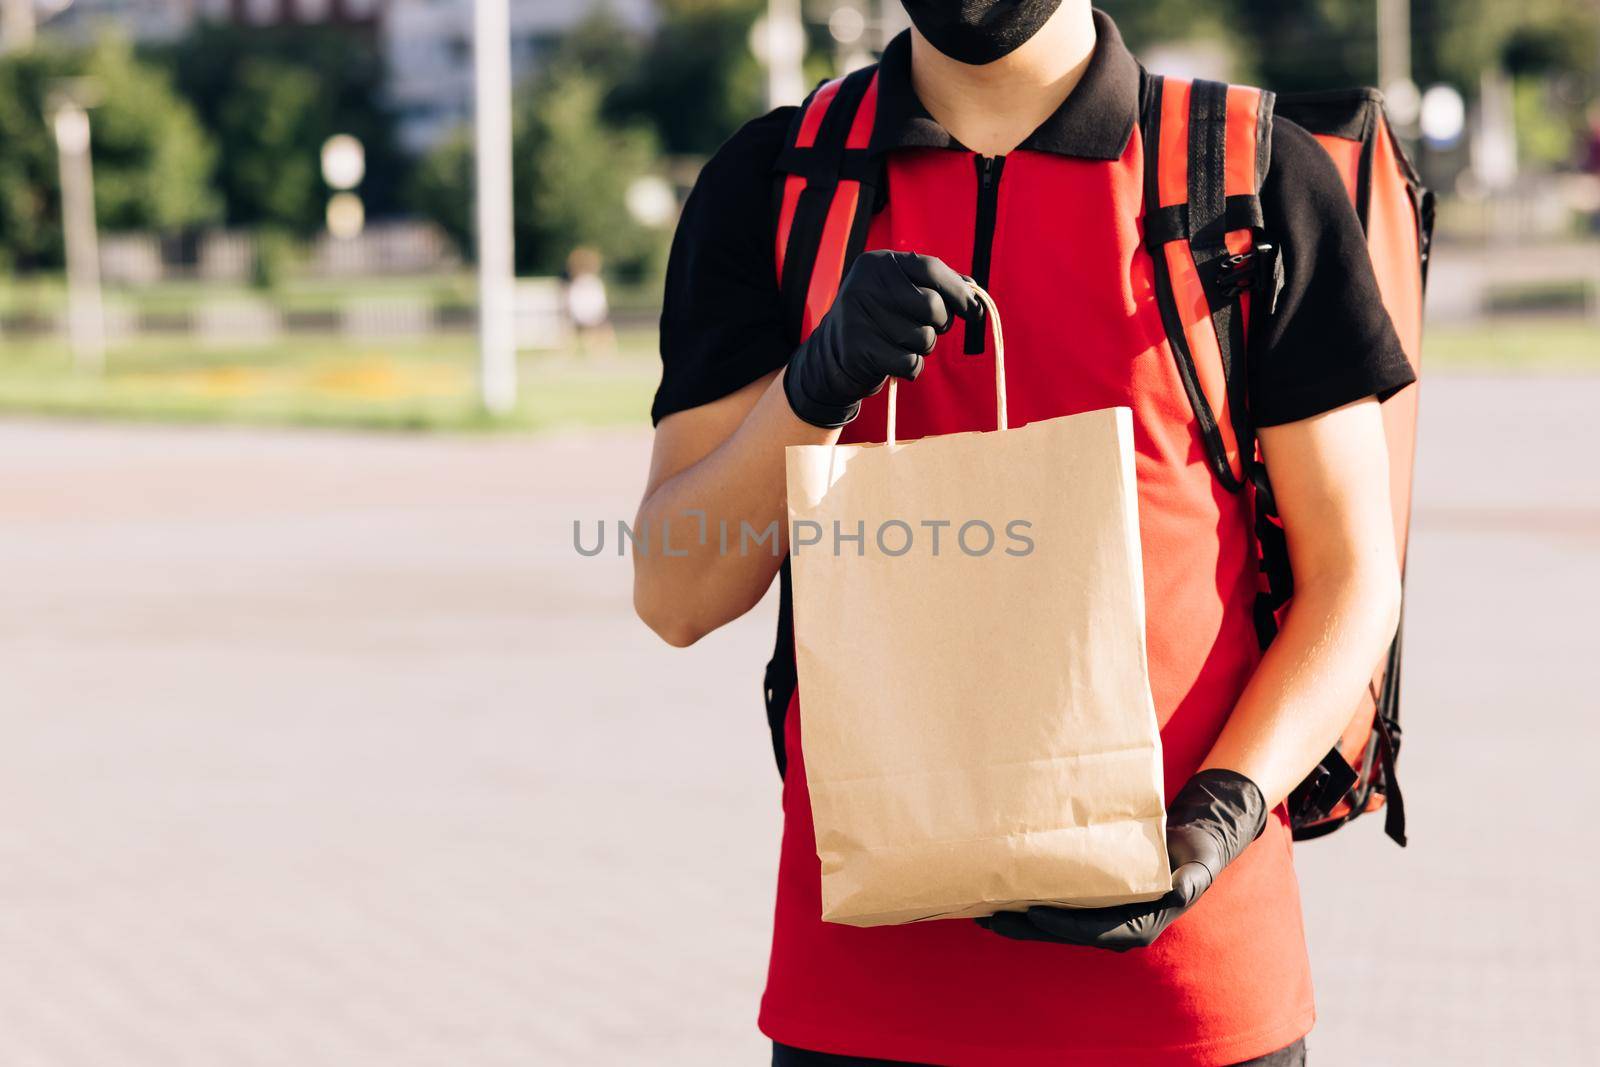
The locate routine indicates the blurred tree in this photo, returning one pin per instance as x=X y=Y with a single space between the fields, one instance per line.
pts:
x=1458 y=39
x=267 y=124
x=696 y=80
x=1301 y=45
x=1150 y=22
x=576 y=172
x=1291 y=45
x=1553 y=60
x=152 y=161
x=571 y=173
x=603 y=46
x=442 y=187
x=271 y=95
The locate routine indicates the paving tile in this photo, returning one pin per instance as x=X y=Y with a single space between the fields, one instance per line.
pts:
x=327 y=749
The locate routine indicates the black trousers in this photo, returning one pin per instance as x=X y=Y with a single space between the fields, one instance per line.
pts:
x=783 y=1056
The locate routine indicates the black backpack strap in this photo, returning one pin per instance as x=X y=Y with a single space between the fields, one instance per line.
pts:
x=830 y=190
x=1203 y=220
x=1213 y=214
x=1190 y=211
x=1163 y=225
x=829 y=195
x=778 y=684
x=1387 y=728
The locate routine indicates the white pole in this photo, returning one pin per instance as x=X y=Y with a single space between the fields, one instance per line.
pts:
x=1494 y=146
x=892 y=18
x=785 y=47
x=497 y=372
x=16 y=25
x=86 y=328
x=1394 y=43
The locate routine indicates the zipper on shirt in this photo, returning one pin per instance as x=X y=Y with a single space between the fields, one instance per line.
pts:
x=989 y=168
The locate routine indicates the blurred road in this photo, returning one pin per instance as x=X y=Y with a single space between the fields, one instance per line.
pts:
x=322 y=749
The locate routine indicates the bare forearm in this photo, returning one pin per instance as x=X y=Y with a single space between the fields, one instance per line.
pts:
x=1310 y=679
x=691 y=577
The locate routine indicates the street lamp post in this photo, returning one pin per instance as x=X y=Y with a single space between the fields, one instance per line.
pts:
x=1394 y=43
x=497 y=372
x=86 y=329
x=17 y=21
x=779 y=39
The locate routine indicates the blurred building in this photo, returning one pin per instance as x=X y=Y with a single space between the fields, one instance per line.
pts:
x=165 y=20
x=428 y=44
x=140 y=20
x=353 y=13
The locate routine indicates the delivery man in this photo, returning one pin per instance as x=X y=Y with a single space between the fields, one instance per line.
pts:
x=1008 y=132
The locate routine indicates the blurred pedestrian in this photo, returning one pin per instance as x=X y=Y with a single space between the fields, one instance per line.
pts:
x=1590 y=155
x=588 y=308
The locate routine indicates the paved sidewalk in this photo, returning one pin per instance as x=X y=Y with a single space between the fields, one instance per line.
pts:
x=320 y=749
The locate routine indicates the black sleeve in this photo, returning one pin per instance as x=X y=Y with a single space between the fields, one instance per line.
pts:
x=1330 y=340
x=722 y=322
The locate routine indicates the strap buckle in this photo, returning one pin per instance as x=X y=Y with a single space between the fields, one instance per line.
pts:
x=1242 y=272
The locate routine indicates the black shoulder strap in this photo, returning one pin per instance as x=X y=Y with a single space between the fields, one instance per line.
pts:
x=778 y=684
x=1209 y=224
x=824 y=164
x=1203 y=222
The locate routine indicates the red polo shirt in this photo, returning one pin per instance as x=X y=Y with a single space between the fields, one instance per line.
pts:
x=1053 y=232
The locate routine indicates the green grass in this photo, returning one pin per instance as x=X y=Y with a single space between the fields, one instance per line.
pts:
x=331 y=382
x=1515 y=345
x=430 y=385
x=47 y=293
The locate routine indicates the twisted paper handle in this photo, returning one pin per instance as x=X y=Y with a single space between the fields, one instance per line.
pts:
x=992 y=317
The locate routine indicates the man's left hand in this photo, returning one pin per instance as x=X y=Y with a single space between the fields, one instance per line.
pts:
x=1211 y=821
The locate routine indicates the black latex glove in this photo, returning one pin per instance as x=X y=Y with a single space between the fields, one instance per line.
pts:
x=889 y=312
x=1211 y=820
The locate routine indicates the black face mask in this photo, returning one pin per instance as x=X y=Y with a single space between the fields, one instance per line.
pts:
x=979 y=31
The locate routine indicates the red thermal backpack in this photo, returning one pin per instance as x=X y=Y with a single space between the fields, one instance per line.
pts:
x=1216 y=269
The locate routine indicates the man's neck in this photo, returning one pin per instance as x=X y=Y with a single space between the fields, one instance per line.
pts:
x=992 y=108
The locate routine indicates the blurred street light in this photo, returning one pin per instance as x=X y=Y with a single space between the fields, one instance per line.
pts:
x=86 y=329
x=491 y=69
x=1442 y=116
x=344 y=161
x=651 y=201
x=847 y=24
x=344 y=164
x=347 y=216
x=1403 y=101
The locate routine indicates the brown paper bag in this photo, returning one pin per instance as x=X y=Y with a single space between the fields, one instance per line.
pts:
x=978 y=729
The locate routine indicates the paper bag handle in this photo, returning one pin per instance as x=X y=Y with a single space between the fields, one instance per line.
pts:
x=992 y=319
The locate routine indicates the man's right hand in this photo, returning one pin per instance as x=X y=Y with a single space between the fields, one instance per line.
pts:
x=889 y=312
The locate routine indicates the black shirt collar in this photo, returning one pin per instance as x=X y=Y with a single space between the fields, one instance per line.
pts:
x=1093 y=122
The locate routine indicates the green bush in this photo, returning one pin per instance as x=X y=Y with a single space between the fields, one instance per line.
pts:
x=270 y=96
x=571 y=172
x=152 y=160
